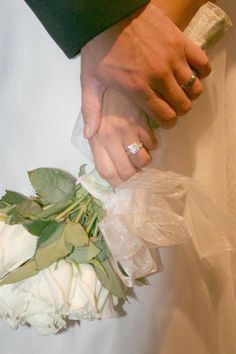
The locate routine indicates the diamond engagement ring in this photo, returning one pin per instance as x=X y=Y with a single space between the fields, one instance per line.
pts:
x=189 y=83
x=133 y=149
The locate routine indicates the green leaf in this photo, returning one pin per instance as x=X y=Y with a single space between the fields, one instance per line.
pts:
x=28 y=209
x=84 y=254
x=98 y=265
x=141 y=281
x=82 y=170
x=50 y=231
x=52 y=185
x=152 y=123
x=122 y=269
x=3 y=205
x=101 y=213
x=12 y=198
x=104 y=250
x=25 y=271
x=14 y=219
x=36 y=227
x=53 y=248
x=75 y=234
x=110 y=279
x=6 y=210
x=54 y=210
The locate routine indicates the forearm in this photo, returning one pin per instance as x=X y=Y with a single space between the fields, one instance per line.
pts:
x=180 y=11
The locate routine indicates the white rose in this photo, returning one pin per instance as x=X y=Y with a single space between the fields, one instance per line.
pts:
x=17 y=245
x=40 y=301
x=88 y=299
x=12 y=304
x=46 y=299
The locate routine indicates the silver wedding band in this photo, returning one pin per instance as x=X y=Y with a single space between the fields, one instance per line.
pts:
x=134 y=148
x=190 y=82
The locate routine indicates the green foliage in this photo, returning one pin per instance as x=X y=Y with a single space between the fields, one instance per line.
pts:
x=53 y=185
x=75 y=234
x=12 y=198
x=104 y=250
x=109 y=278
x=52 y=246
x=49 y=231
x=82 y=170
x=152 y=123
x=28 y=208
x=37 y=227
x=101 y=213
x=65 y=218
x=25 y=271
x=14 y=218
x=83 y=254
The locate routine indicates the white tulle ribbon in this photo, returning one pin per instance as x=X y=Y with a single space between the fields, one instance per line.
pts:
x=155 y=209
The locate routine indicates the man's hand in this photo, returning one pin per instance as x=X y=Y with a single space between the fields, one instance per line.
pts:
x=146 y=57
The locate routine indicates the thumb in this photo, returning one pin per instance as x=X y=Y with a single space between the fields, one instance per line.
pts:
x=92 y=96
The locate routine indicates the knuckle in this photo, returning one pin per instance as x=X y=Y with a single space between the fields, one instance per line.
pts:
x=197 y=91
x=106 y=135
x=185 y=107
x=146 y=160
x=139 y=90
x=108 y=175
x=85 y=111
x=126 y=174
x=205 y=66
x=161 y=73
x=136 y=84
x=168 y=116
x=204 y=61
x=163 y=113
x=168 y=124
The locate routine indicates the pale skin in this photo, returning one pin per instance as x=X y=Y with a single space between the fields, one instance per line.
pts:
x=145 y=57
x=123 y=122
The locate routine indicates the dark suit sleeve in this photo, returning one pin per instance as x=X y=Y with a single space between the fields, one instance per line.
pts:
x=72 y=23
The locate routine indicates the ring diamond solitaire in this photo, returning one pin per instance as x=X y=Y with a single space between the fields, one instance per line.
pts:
x=133 y=149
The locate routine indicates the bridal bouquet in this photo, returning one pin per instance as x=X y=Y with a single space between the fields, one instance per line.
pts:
x=70 y=251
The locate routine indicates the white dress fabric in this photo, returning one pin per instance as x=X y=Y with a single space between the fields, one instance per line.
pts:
x=190 y=305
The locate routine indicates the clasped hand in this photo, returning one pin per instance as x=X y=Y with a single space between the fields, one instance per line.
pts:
x=132 y=71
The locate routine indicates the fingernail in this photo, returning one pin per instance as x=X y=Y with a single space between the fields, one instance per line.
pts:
x=87 y=131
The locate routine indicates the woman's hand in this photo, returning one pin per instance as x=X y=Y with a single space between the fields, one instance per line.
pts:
x=122 y=124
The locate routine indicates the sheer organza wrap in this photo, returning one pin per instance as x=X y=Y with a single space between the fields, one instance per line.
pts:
x=151 y=210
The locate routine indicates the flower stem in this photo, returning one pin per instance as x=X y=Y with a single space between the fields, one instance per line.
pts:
x=67 y=211
x=83 y=209
x=89 y=226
